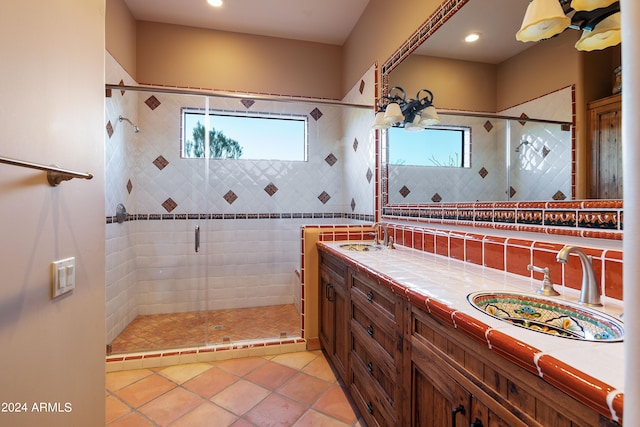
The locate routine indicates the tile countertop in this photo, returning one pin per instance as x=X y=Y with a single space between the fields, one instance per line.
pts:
x=591 y=372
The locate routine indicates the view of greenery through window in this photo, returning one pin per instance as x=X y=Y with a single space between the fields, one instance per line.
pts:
x=257 y=137
x=435 y=146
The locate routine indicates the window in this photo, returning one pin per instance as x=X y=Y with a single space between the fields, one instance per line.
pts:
x=442 y=146
x=244 y=136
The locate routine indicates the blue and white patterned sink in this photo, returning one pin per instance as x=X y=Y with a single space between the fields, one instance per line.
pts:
x=549 y=316
x=361 y=247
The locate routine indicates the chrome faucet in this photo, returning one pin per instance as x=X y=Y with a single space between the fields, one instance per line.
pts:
x=385 y=233
x=590 y=292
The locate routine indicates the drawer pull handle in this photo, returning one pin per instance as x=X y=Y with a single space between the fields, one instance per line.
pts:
x=370 y=330
x=370 y=296
x=370 y=408
x=328 y=292
x=477 y=423
x=370 y=368
x=460 y=409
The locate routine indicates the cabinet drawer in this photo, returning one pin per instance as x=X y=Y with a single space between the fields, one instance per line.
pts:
x=375 y=295
x=377 y=368
x=373 y=331
x=370 y=404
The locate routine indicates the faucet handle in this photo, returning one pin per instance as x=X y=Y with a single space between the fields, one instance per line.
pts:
x=547 y=285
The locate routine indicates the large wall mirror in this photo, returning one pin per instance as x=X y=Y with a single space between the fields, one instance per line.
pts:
x=542 y=154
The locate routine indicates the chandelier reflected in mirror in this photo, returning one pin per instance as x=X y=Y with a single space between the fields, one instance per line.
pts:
x=395 y=110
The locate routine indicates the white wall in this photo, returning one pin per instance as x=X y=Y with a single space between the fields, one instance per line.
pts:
x=51 y=111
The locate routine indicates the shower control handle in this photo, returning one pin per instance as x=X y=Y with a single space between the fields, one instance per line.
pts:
x=197 y=248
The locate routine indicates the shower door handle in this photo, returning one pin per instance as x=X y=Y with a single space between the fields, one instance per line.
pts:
x=197 y=248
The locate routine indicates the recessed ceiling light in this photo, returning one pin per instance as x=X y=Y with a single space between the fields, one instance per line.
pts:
x=472 y=38
x=215 y=3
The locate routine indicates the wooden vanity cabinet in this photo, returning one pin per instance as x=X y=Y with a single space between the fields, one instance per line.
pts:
x=404 y=367
x=376 y=357
x=334 y=313
x=450 y=370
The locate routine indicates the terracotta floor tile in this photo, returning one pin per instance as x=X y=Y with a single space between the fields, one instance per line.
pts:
x=304 y=388
x=240 y=396
x=117 y=380
x=181 y=373
x=295 y=360
x=316 y=419
x=206 y=415
x=131 y=420
x=143 y=391
x=335 y=403
x=241 y=366
x=242 y=423
x=271 y=375
x=210 y=382
x=275 y=411
x=115 y=409
x=170 y=406
x=320 y=368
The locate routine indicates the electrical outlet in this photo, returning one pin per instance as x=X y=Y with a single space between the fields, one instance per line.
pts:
x=63 y=276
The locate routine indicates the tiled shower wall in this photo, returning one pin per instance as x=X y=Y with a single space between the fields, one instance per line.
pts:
x=249 y=212
x=539 y=170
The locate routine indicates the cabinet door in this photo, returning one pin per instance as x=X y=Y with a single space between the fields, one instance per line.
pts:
x=437 y=400
x=334 y=319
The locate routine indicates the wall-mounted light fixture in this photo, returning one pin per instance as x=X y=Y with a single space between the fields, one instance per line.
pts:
x=394 y=110
x=599 y=21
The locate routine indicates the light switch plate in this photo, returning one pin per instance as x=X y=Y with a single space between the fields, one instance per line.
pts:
x=63 y=276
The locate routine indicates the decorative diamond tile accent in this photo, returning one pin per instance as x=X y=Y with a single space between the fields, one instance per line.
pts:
x=436 y=198
x=523 y=116
x=565 y=128
x=109 y=129
x=559 y=195
x=152 y=102
x=230 y=197
x=316 y=114
x=353 y=205
x=248 y=103
x=121 y=83
x=331 y=159
x=169 y=204
x=361 y=88
x=512 y=191
x=161 y=162
x=355 y=144
x=488 y=126
x=545 y=151
x=483 y=172
x=369 y=175
x=129 y=186
x=324 y=197
x=405 y=191
x=271 y=189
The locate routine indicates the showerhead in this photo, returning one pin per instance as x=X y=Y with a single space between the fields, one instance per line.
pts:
x=136 y=129
x=523 y=142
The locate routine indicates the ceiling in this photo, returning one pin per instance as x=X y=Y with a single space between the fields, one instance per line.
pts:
x=496 y=21
x=322 y=21
x=331 y=22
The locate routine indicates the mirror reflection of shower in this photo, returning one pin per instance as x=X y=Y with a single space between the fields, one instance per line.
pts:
x=136 y=129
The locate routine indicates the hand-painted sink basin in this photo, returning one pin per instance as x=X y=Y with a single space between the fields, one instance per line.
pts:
x=549 y=316
x=361 y=247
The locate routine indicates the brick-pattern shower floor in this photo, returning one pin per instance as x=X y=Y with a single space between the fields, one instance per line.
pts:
x=176 y=330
